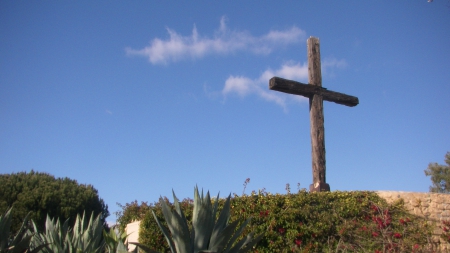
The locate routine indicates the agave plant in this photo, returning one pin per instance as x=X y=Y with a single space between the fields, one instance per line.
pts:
x=55 y=235
x=206 y=234
x=21 y=241
x=115 y=242
x=86 y=236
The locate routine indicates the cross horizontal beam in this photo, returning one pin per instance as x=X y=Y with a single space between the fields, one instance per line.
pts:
x=306 y=90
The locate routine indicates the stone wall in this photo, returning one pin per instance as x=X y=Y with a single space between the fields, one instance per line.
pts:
x=434 y=207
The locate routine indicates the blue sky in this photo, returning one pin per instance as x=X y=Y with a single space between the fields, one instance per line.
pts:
x=141 y=97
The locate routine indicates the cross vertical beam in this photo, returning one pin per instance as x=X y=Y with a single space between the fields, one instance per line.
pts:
x=316 y=119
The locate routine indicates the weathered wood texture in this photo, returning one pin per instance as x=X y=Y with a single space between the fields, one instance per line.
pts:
x=306 y=90
x=316 y=116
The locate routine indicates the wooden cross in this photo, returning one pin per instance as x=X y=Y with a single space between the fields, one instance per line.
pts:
x=316 y=95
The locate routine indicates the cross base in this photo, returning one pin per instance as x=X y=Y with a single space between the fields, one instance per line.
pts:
x=319 y=187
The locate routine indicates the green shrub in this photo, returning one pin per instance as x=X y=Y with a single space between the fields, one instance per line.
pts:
x=41 y=194
x=304 y=222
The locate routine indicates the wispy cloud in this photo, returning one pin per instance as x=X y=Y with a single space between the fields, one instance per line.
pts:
x=224 y=41
x=244 y=86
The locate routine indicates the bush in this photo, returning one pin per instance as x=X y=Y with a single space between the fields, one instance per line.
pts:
x=305 y=222
x=42 y=194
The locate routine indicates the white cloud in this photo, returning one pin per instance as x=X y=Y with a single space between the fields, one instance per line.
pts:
x=244 y=86
x=240 y=85
x=224 y=41
x=289 y=70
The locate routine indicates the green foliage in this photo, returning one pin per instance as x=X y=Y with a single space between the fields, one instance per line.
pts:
x=40 y=194
x=55 y=235
x=385 y=229
x=440 y=176
x=305 y=222
x=85 y=236
x=115 y=242
x=18 y=243
x=133 y=212
x=206 y=234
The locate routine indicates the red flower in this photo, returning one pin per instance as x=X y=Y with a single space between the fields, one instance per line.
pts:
x=397 y=235
x=281 y=230
x=402 y=221
x=374 y=234
x=416 y=246
x=298 y=242
x=377 y=251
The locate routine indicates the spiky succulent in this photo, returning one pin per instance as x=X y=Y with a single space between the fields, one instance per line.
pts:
x=86 y=236
x=20 y=242
x=116 y=241
x=206 y=234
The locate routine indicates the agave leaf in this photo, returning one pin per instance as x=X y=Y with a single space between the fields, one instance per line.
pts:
x=223 y=237
x=21 y=241
x=222 y=221
x=113 y=242
x=121 y=247
x=97 y=231
x=76 y=231
x=20 y=235
x=241 y=244
x=5 y=226
x=177 y=206
x=216 y=206
x=250 y=243
x=39 y=248
x=202 y=221
x=178 y=228
x=65 y=228
x=23 y=244
x=69 y=246
x=237 y=234
x=165 y=231
x=184 y=223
